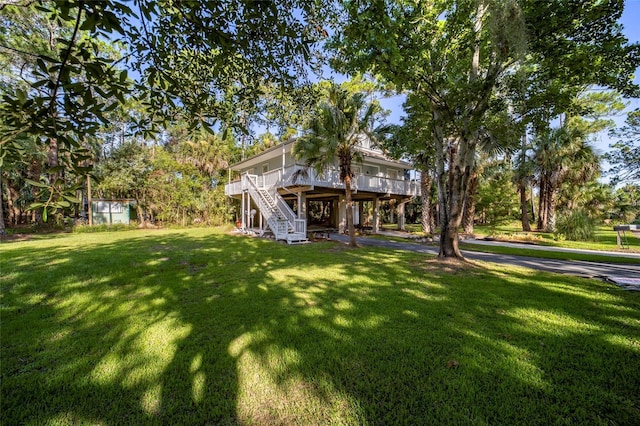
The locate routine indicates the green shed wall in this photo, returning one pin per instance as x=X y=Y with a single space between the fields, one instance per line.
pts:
x=107 y=212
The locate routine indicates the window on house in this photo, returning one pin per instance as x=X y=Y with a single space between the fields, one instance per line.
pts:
x=392 y=173
x=356 y=170
x=265 y=168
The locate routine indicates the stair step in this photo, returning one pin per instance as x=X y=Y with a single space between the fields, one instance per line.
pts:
x=296 y=238
x=276 y=219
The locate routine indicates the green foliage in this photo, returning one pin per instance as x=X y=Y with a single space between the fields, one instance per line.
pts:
x=126 y=171
x=211 y=59
x=596 y=198
x=494 y=234
x=581 y=46
x=60 y=82
x=605 y=240
x=174 y=183
x=576 y=225
x=497 y=199
x=625 y=207
x=65 y=70
x=283 y=112
x=625 y=153
x=590 y=46
x=562 y=156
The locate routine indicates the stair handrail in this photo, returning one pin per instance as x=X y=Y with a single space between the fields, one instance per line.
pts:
x=268 y=211
x=285 y=209
x=281 y=204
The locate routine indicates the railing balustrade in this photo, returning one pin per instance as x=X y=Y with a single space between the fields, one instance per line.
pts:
x=300 y=226
x=272 y=178
x=285 y=209
x=330 y=179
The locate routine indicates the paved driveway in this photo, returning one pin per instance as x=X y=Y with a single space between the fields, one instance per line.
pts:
x=600 y=270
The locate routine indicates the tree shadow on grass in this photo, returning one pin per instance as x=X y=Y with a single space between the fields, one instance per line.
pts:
x=199 y=327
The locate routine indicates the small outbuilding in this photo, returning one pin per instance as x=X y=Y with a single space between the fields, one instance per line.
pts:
x=109 y=212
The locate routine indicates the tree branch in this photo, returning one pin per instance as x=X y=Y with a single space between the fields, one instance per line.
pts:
x=65 y=58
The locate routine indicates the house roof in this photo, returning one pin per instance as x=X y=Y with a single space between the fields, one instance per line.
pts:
x=265 y=155
x=276 y=151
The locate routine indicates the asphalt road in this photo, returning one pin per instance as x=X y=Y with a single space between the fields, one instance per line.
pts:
x=608 y=271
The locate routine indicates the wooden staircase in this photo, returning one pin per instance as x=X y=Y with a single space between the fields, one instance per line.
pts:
x=280 y=218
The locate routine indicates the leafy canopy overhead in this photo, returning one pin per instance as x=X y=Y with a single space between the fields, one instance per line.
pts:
x=70 y=64
x=209 y=58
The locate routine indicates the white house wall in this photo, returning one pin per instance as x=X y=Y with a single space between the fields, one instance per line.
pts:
x=367 y=169
x=272 y=163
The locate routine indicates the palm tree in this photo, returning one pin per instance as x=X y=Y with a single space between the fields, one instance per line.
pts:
x=332 y=136
x=206 y=152
x=560 y=155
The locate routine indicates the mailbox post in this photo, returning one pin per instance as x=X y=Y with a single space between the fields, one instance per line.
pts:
x=622 y=236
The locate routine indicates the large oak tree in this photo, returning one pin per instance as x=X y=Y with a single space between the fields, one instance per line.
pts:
x=462 y=58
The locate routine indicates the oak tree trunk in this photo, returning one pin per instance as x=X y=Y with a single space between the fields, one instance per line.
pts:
x=461 y=157
x=450 y=199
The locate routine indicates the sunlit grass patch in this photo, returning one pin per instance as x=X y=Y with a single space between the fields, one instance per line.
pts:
x=200 y=327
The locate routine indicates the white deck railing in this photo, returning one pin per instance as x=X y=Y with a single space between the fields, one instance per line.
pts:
x=233 y=188
x=271 y=179
x=280 y=227
x=291 y=176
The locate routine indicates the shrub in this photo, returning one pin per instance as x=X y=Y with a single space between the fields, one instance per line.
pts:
x=83 y=229
x=514 y=236
x=576 y=225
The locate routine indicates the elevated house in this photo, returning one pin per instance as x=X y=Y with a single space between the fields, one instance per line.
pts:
x=279 y=194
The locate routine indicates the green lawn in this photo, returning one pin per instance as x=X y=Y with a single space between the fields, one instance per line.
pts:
x=605 y=238
x=200 y=327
